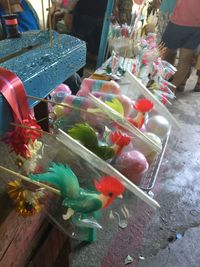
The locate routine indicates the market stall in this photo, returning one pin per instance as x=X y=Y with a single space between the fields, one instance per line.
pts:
x=105 y=144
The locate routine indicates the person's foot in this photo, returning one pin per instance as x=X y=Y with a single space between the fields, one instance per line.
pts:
x=197 y=88
x=180 y=89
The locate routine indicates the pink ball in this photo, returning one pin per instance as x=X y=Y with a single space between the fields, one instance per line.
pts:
x=60 y=92
x=63 y=88
x=133 y=165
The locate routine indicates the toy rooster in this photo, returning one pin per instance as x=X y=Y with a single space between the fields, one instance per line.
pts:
x=88 y=137
x=142 y=106
x=77 y=199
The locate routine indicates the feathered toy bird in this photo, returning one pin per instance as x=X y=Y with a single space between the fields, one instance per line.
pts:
x=88 y=137
x=142 y=106
x=77 y=199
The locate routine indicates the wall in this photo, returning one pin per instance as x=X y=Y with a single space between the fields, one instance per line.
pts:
x=37 y=4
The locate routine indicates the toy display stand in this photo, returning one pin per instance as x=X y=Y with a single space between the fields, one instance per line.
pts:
x=132 y=87
x=149 y=179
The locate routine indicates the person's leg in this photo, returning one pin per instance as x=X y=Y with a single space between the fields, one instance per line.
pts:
x=197 y=85
x=187 y=39
x=171 y=40
x=181 y=87
x=170 y=55
x=184 y=65
x=96 y=36
x=83 y=28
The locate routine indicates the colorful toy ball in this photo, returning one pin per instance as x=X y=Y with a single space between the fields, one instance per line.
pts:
x=158 y=125
x=133 y=165
x=60 y=92
x=149 y=153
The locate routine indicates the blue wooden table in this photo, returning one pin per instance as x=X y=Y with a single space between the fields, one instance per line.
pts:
x=40 y=67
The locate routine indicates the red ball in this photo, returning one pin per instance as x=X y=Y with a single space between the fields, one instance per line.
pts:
x=133 y=165
x=138 y=2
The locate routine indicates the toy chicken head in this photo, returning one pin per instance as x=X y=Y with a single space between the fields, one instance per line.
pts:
x=110 y=187
x=143 y=105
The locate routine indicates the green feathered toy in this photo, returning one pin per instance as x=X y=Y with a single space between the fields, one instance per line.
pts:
x=75 y=198
x=88 y=137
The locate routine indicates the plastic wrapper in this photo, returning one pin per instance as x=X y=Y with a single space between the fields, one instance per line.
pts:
x=115 y=113
x=156 y=125
x=127 y=91
x=71 y=185
x=133 y=87
x=120 y=40
x=42 y=170
x=84 y=222
x=158 y=91
x=106 y=116
x=60 y=93
x=148 y=66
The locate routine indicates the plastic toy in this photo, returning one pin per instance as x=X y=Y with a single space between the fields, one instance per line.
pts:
x=80 y=202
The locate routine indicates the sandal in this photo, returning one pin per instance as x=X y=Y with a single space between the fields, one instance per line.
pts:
x=181 y=88
x=197 y=88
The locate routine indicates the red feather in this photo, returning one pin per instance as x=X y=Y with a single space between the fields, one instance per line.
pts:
x=120 y=139
x=143 y=105
x=109 y=185
x=19 y=139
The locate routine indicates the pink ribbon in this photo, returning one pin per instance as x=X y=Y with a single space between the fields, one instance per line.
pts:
x=11 y=87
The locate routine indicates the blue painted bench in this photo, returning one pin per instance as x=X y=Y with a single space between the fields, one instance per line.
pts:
x=41 y=68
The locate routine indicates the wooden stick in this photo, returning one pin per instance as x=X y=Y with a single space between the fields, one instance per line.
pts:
x=62 y=105
x=51 y=102
x=27 y=179
x=50 y=25
x=30 y=128
x=9 y=7
x=43 y=19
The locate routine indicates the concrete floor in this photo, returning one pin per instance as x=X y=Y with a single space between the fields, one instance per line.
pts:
x=168 y=237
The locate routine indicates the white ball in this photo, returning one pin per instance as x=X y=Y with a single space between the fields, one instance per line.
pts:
x=147 y=150
x=158 y=125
